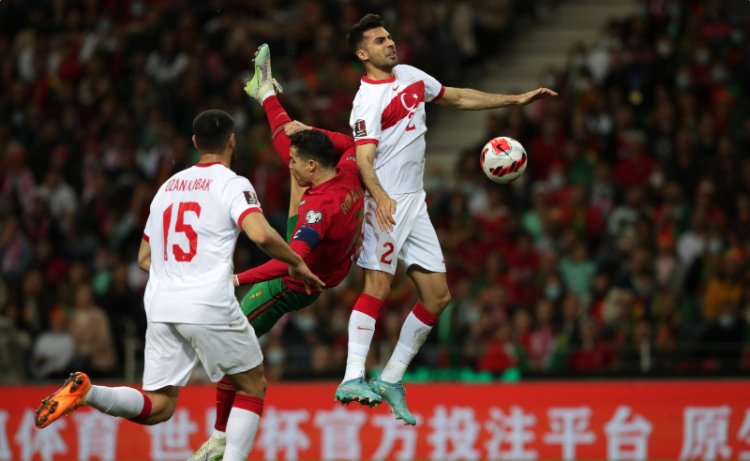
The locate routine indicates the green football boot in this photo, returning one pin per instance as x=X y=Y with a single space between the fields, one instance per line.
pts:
x=357 y=390
x=211 y=450
x=262 y=81
x=394 y=395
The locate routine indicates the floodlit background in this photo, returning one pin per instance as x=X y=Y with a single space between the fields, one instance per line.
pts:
x=623 y=252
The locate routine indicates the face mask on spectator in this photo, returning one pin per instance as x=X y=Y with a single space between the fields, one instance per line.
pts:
x=702 y=56
x=656 y=180
x=719 y=73
x=552 y=291
x=683 y=80
x=726 y=320
x=715 y=246
x=664 y=48
x=274 y=356
x=305 y=322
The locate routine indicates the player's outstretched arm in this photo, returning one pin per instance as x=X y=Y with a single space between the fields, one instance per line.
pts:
x=260 y=231
x=273 y=268
x=469 y=99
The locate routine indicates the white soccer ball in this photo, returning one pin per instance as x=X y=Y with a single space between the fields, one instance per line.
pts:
x=503 y=159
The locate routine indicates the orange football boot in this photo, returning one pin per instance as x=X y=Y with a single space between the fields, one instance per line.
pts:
x=63 y=401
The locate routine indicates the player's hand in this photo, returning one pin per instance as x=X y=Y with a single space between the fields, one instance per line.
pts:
x=303 y=273
x=386 y=208
x=532 y=96
x=295 y=127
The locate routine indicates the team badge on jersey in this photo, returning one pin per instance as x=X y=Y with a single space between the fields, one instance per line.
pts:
x=360 y=129
x=313 y=217
x=250 y=197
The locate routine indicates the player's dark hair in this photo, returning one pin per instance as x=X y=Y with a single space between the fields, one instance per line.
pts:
x=212 y=129
x=368 y=21
x=315 y=145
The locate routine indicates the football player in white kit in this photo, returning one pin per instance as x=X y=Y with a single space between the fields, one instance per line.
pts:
x=193 y=314
x=388 y=120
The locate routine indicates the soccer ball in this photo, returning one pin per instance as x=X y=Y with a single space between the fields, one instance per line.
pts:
x=503 y=159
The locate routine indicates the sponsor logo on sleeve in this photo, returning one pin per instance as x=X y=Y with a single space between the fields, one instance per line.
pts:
x=360 y=129
x=313 y=217
x=250 y=197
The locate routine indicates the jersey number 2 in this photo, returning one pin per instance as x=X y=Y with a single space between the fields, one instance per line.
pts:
x=180 y=226
x=385 y=258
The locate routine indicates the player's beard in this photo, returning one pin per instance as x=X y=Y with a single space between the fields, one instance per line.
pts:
x=384 y=64
x=387 y=68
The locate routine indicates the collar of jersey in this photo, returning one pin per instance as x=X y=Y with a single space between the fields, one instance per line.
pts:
x=390 y=79
x=204 y=165
x=322 y=188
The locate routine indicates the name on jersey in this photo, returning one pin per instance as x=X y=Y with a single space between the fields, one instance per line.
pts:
x=180 y=185
x=354 y=195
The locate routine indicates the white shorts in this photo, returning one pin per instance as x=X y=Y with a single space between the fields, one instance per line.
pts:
x=173 y=349
x=413 y=240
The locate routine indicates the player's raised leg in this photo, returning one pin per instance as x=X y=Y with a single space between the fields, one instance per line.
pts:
x=361 y=330
x=126 y=402
x=263 y=88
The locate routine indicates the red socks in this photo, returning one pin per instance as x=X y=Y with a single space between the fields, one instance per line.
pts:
x=277 y=118
x=369 y=305
x=224 y=400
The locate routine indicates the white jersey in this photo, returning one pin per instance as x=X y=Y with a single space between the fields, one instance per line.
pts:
x=391 y=113
x=192 y=229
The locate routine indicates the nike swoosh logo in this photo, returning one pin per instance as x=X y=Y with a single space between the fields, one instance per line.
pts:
x=395 y=88
x=361 y=328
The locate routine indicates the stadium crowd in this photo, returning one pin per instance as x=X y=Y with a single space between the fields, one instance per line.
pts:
x=623 y=249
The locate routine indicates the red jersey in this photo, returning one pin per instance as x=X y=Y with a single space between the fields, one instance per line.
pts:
x=329 y=224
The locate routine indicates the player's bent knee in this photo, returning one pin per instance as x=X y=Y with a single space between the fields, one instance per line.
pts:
x=252 y=382
x=162 y=410
x=438 y=303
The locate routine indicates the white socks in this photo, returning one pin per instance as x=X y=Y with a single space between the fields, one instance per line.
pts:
x=413 y=334
x=116 y=401
x=267 y=94
x=241 y=430
x=361 y=330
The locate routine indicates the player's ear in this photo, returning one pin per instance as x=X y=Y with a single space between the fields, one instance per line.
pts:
x=362 y=55
x=194 y=143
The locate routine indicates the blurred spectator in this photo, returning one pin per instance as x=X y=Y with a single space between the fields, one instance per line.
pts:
x=95 y=349
x=53 y=350
x=627 y=239
x=593 y=353
x=15 y=250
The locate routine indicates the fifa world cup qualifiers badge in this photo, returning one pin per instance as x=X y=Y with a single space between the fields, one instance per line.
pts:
x=360 y=129
x=250 y=197
x=313 y=217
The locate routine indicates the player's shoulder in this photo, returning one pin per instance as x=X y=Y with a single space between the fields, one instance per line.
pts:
x=405 y=72
x=406 y=69
x=228 y=176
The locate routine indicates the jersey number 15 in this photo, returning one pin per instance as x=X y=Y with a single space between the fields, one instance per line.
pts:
x=180 y=226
